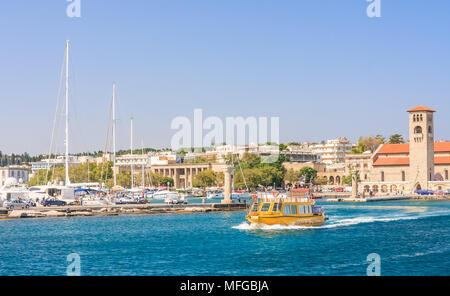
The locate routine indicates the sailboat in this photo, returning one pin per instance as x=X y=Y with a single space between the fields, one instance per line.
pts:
x=64 y=191
x=115 y=188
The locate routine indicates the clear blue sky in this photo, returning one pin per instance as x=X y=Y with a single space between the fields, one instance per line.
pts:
x=323 y=66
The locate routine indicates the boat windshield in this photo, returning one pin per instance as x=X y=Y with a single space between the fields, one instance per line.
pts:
x=265 y=207
x=276 y=207
x=255 y=207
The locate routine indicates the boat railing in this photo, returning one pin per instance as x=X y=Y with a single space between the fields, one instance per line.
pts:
x=268 y=197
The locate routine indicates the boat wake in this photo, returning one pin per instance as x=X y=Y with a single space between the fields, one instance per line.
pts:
x=333 y=222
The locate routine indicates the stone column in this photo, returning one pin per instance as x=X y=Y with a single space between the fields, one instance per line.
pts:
x=354 y=185
x=227 y=186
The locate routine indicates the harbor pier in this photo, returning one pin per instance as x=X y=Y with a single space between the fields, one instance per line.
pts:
x=119 y=209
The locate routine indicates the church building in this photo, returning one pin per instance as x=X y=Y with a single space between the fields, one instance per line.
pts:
x=421 y=164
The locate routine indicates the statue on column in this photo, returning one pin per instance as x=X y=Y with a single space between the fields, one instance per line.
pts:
x=355 y=179
x=228 y=175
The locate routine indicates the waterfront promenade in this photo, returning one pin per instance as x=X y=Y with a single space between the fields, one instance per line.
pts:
x=113 y=210
x=387 y=198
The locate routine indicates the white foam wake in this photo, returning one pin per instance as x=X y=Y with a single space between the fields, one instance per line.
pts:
x=333 y=223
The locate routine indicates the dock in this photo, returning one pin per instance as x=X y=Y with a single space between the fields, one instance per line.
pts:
x=120 y=209
x=389 y=198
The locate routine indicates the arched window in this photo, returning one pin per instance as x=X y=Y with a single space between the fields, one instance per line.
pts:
x=403 y=176
x=331 y=182
x=421 y=117
x=417 y=130
x=382 y=176
x=414 y=117
x=430 y=130
x=446 y=175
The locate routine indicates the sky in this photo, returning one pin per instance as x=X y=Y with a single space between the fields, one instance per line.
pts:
x=323 y=67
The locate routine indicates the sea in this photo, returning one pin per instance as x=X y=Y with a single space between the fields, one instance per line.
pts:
x=407 y=238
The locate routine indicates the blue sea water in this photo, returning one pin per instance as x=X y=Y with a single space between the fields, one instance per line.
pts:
x=411 y=237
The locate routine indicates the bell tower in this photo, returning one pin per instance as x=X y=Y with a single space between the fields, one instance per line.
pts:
x=421 y=147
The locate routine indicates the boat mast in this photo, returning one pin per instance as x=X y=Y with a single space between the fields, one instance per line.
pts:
x=67 y=114
x=131 y=148
x=114 y=132
x=143 y=162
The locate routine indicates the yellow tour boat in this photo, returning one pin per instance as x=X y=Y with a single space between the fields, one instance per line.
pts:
x=295 y=208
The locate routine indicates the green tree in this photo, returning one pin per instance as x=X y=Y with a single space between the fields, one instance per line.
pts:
x=252 y=179
x=204 y=179
x=396 y=139
x=321 y=180
x=283 y=147
x=309 y=173
x=124 y=178
x=156 y=179
x=167 y=180
x=291 y=176
x=347 y=180
x=368 y=143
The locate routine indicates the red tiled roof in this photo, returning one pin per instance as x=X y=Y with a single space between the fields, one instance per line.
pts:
x=421 y=108
x=404 y=148
x=405 y=160
x=393 y=148
x=442 y=160
x=392 y=161
x=442 y=147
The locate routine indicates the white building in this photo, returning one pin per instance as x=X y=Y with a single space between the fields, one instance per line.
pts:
x=20 y=173
x=149 y=159
x=334 y=151
x=48 y=163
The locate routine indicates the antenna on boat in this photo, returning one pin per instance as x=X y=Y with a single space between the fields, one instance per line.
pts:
x=67 y=114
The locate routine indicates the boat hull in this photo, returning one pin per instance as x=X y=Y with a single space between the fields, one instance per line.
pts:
x=316 y=220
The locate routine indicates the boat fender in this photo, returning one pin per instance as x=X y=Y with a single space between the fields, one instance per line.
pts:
x=254 y=197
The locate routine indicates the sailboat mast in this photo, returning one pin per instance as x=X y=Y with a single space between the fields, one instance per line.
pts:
x=143 y=163
x=114 y=132
x=131 y=148
x=67 y=114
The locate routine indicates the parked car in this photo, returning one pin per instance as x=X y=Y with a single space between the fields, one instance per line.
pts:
x=338 y=189
x=16 y=204
x=53 y=202
x=126 y=201
x=424 y=192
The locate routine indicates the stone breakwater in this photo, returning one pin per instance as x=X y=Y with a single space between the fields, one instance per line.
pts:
x=114 y=210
